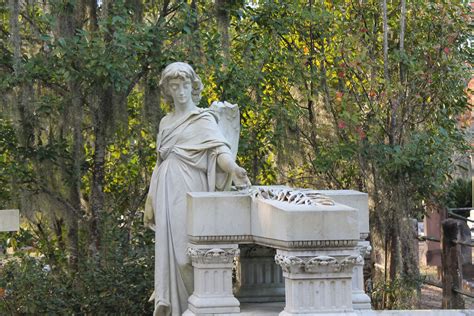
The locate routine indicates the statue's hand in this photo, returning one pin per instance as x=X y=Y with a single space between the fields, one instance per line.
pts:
x=149 y=216
x=149 y=221
x=241 y=179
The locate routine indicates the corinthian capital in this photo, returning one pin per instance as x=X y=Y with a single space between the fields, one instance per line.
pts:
x=318 y=264
x=212 y=255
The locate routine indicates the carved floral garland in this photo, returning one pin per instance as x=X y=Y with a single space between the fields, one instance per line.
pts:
x=293 y=264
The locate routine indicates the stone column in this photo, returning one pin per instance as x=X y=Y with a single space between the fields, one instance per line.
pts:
x=317 y=283
x=360 y=300
x=212 y=279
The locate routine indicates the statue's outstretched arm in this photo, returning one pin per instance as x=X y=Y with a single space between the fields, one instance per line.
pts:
x=227 y=164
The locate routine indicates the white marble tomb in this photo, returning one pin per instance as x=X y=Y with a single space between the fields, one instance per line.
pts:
x=318 y=247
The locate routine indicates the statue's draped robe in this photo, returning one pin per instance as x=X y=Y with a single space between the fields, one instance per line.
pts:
x=187 y=162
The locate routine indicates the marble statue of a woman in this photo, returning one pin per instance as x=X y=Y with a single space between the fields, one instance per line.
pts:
x=193 y=156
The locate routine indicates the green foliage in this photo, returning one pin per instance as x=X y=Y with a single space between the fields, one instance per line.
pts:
x=7 y=165
x=459 y=194
x=119 y=284
x=28 y=289
x=400 y=293
x=121 y=287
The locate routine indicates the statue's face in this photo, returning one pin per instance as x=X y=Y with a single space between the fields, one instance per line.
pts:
x=180 y=90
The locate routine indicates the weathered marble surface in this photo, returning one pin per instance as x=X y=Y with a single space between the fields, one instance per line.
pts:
x=309 y=225
x=233 y=216
x=218 y=216
x=354 y=199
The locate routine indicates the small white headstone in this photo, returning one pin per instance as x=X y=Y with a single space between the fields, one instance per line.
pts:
x=471 y=217
x=9 y=220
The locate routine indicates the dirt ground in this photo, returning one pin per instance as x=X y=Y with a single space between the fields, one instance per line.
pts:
x=431 y=298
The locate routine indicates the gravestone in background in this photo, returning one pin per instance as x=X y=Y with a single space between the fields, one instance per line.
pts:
x=9 y=220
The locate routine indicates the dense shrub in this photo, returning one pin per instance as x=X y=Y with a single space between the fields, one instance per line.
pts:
x=459 y=195
x=120 y=286
x=120 y=283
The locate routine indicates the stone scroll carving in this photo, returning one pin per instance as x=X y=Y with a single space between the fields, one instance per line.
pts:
x=318 y=264
x=365 y=250
x=298 y=197
x=289 y=263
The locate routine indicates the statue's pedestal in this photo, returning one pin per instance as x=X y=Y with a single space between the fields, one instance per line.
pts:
x=318 y=247
x=318 y=282
x=213 y=279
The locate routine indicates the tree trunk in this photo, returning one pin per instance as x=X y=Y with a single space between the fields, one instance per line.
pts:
x=401 y=92
x=98 y=170
x=92 y=8
x=386 y=74
x=222 y=8
x=68 y=22
x=310 y=104
x=152 y=112
x=136 y=6
x=25 y=90
x=76 y=174
x=15 y=35
x=394 y=244
x=195 y=36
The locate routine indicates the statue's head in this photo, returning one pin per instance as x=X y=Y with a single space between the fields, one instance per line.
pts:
x=180 y=70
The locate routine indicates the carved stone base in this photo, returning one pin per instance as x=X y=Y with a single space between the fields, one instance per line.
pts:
x=361 y=301
x=308 y=293
x=285 y=313
x=317 y=283
x=214 y=305
x=212 y=280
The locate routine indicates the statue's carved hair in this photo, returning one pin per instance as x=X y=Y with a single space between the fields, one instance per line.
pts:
x=180 y=70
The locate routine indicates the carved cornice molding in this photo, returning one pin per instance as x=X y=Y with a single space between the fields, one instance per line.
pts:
x=318 y=264
x=212 y=255
x=304 y=244
x=221 y=239
x=322 y=243
x=273 y=243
